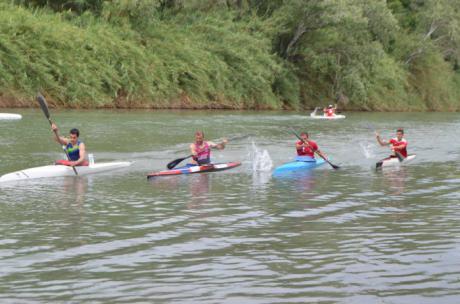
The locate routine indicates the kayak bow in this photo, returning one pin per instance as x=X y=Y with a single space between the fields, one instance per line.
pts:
x=61 y=171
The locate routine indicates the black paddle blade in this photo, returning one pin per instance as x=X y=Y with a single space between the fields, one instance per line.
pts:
x=41 y=100
x=175 y=162
x=334 y=166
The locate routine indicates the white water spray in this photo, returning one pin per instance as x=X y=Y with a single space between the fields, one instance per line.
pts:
x=260 y=159
x=367 y=150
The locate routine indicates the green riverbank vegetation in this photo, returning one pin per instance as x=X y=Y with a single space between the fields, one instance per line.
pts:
x=393 y=55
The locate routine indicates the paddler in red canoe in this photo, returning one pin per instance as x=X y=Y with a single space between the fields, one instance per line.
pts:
x=201 y=149
x=398 y=144
x=75 y=149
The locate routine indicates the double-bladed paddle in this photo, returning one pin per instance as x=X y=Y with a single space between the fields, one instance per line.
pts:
x=325 y=159
x=44 y=106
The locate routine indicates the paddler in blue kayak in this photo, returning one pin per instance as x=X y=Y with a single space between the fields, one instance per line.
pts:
x=75 y=149
x=201 y=149
x=307 y=148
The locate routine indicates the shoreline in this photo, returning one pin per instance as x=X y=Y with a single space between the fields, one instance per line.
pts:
x=206 y=109
x=17 y=103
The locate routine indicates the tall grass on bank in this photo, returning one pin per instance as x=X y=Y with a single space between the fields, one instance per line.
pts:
x=209 y=63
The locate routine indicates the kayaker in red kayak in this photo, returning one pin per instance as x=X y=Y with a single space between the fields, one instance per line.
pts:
x=307 y=147
x=398 y=144
x=330 y=110
x=76 y=149
x=201 y=149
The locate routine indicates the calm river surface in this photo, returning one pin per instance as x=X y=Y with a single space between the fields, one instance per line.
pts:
x=240 y=236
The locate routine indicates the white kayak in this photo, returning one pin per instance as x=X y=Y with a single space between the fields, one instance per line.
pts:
x=10 y=116
x=328 y=117
x=60 y=171
x=314 y=115
x=394 y=161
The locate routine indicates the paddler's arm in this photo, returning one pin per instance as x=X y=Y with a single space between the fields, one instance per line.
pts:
x=313 y=147
x=78 y=162
x=380 y=141
x=316 y=150
x=400 y=146
x=219 y=146
x=321 y=154
x=61 y=140
x=193 y=153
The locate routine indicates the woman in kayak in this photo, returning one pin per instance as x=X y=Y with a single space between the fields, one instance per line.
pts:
x=330 y=110
x=201 y=149
x=306 y=148
x=398 y=144
x=75 y=149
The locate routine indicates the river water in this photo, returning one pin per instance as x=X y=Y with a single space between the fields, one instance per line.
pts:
x=353 y=235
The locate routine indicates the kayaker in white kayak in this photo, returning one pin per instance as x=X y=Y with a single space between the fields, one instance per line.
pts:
x=306 y=148
x=201 y=149
x=398 y=144
x=330 y=111
x=76 y=149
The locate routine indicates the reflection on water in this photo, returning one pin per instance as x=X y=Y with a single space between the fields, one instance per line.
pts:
x=394 y=179
x=301 y=182
x=351 y=235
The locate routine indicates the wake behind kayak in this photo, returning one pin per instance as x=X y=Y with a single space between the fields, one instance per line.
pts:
x=195 y=169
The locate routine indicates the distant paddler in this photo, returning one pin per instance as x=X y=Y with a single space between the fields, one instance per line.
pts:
x=76 y=149
x=330 y=110
x=398 y=144
x=201 y=149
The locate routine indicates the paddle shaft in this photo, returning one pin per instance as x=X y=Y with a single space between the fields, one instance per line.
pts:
x=44 y=107
x=315 y=151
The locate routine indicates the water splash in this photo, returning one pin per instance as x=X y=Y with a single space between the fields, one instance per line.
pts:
x=367 y=150
x=260 y=159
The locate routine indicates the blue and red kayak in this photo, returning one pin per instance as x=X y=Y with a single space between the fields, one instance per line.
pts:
x=190 y=169
x=300 y=164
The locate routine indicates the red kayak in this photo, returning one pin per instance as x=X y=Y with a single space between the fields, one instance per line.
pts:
x=195 y=169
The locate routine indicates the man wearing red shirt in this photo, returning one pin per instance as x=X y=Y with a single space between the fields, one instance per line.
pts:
x=330 y=111
x=398 y=144
x=307 y=147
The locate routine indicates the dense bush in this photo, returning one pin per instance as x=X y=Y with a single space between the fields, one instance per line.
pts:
x=367 y=55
